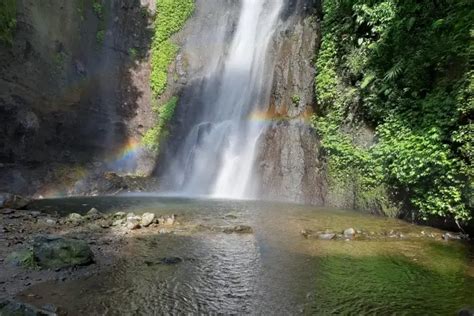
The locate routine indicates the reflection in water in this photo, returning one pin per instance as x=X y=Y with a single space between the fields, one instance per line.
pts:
x=274 y=270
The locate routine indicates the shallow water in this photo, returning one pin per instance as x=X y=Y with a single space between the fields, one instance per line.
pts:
x=272 y=271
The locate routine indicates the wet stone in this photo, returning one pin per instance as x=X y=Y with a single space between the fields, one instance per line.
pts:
x=171 y=260
x=147 y=219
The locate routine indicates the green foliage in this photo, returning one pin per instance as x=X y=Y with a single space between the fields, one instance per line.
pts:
x=296 y=99
x=7 y=20
x=172 y=14
x=154 y=135
x=98 y=9
x=402 y=67
x=100 y=36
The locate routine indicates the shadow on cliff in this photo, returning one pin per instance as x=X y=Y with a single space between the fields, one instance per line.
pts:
x=69 y=89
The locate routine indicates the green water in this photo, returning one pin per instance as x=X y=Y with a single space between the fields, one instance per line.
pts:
x=275 y=270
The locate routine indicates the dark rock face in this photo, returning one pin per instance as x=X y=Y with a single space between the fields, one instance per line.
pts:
x=13 y=201
x=56 y=252
x=67 y=99
x=288 y=162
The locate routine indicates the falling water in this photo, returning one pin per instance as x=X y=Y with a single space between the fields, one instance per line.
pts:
x=217 y=156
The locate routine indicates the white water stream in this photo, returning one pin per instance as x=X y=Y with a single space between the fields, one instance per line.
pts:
x=218 y=154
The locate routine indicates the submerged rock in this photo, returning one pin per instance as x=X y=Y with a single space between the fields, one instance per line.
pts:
x=57 y=252
x=147 y=219
x=171 y=260
x=239 y=229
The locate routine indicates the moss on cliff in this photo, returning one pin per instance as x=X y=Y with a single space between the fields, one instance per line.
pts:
x=7 y=20
x=171 y=17
x=172 y=14
x=154 y=135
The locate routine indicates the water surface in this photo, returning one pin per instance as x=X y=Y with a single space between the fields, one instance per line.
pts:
x=275 y=270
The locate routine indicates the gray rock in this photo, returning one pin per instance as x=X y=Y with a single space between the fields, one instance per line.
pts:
x=147 y=219
x=133 y=221
x=326 y=236
x=449 y=236
x=120 y=215
x=13 y=201
x=118 y=222
x=349 y=233
x=94 y=213
x=56 y=252
x=50 y=221
x=466 y=312
x=74 y=218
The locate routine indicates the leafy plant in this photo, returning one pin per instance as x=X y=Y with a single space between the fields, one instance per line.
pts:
x=403 y=68
x=7 y=20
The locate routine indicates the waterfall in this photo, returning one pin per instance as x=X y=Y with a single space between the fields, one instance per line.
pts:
x=217 y=155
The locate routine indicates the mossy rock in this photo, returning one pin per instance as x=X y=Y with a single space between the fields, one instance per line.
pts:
x=23 y=258
x=56 y=252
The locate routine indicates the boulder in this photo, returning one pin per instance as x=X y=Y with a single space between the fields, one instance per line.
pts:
x=94 y=214
x=147 y=219
x=56 y=252
x=13 y=201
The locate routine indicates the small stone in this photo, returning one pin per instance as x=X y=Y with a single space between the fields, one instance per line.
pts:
x=448 y=236
x=50 y=221
x=74 y=218
x=327 y=236
x=306 y=233
x=349 y=233
x=147 y=219
x=170 y=220
x=120 y=215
